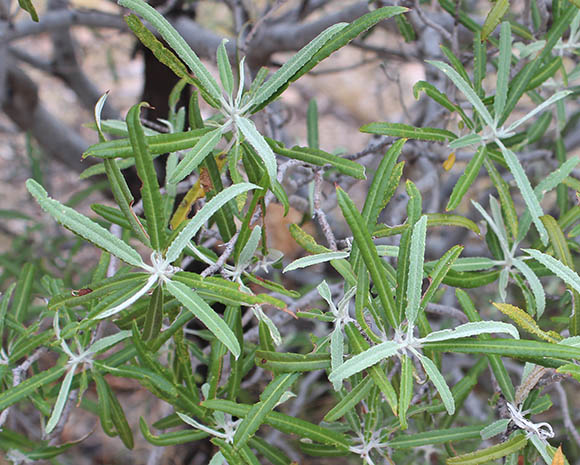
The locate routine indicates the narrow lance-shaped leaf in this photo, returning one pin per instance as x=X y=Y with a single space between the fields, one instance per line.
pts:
x=503 y=68
x=336 y=352
x=439 y=382
x=494 y=17
x=415 y=277
x=406 y=389
x=177 y=42
x=472 y=329
x=569 y=276
x=206 y=314
x=311 y=260
x=364 y=360
x=256 y=140
x=208 y=210
x=195 y=156
x=60 y=400
x=225 y=68
x=535 y=285
x=409 y=132
x=150 y=193
x=467 y=178
x=492 y=453
x=285 y=73
x=466 y=89
x=83 y=226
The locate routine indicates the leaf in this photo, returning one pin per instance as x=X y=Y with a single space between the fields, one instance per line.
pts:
x=23 y=293
x=150 y=193
x=208 y=210
x=467 y=178
x=288 y=362
x=439 y=382
x=170 y=439
x=268 y=400
x=495 y=428
x=312 y=125
x=28 y=6
x=257 y=141
x=472 y=329
x=437 y=436
x=311 y=260
x=195 y=156
x=503 y=67
x=441 y=99
x=464 y=141
x=494 y=17
x=176 y=42
x=546 y=103
x=525 y=188
x=225 y=68
x=369 y=254
x=524 y=321
x=154 y=315
x=569 y=276
x=405 y=390
x=523 y=348
x=60 y=400
x=158 y=144
x=473 y=264
x=558 y=458
x=27 y=387
x=535 y=285
x=466 y=89
x=84 y=227
x=364 y=360
x=408 y=132
x=284 y=423
x=516 y=443
x=292 y=66
x=318 y=157
x=206 y=314
x=348 y=402
x=415 y=276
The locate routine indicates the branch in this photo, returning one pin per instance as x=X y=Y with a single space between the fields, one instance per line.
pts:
x=22 y=105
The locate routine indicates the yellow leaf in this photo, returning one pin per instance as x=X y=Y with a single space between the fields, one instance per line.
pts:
x=448 y=164
x=526 y=322
x=558 y=457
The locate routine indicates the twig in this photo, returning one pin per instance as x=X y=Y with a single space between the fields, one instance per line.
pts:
x=222 y=258
x=319 y=214
x=568 y=423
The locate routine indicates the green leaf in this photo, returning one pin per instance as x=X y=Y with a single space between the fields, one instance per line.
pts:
x=466 y=89
x=157 y=144
x=464 y=141
x=409 y=132
x=206 y=314
x=60 y=400
x=503 y=68
x=311 y=260
x=27 y=387
x=439 y=382
x=176 y=42
x=284 y=423
x=497 y=427
x=319 y=157
x=348 y=402
x=364 y=360
x=523 y=348
x=405 y=390
x=288 y=362
x=507 y=203
x=170 y=439
x=195 y=156
x=268 y=400
x=292 y=66
x=517 y=442
x=208 y=210
x=225 y=68
x=525 y=188
x=538 y=109
x=467 y=178
x=437 y=436
x=312 y=125
x=369 y=254
x=473 y=264
x=84 y=227
x=534 y=283
x=494 y=17
x=150 y=193
x=28 y=6
x=257 y=141
x=415 y=276
x=568 y=275
x=472 y=329
x=23 y=293
x=154 y=315
x=441 y=99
